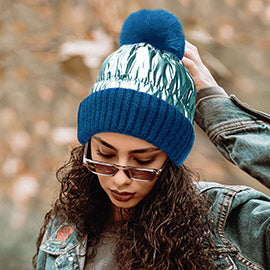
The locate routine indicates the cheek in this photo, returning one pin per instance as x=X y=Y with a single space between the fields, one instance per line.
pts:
x=143 y=189
x=103 y=182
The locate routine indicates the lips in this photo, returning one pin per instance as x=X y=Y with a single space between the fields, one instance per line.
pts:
x=121 y=196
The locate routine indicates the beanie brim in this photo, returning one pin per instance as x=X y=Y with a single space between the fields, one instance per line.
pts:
x=137 y=114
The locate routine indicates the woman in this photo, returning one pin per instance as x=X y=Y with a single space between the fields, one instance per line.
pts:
x=126 y=200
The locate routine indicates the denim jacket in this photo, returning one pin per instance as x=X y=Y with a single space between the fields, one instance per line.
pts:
x=242 y=224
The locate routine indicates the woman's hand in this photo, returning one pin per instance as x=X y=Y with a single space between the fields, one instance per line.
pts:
x=199 y=72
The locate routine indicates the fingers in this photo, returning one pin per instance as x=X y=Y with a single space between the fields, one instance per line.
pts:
x=190 y=65
x=199 y=72
x=191 y=52
x=191 y=59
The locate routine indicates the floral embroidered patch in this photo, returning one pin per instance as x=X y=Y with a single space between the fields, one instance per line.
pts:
x=64 y=232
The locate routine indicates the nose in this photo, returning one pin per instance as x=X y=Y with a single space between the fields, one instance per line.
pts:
x=121 y=179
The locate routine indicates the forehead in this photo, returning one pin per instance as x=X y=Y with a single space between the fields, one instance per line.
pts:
x=122 y=142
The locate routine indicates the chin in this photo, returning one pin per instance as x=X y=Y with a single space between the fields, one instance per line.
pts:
x=121 y=204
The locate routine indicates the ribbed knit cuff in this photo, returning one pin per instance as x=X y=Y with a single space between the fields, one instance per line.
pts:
x=139 y=115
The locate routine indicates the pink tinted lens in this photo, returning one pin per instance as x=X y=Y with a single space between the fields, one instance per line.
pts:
x=140 y=174
x=104 y=169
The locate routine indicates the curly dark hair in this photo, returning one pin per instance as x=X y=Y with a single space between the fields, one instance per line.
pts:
x=169 y=229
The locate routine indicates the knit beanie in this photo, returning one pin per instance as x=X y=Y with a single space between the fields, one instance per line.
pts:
x=143 y=89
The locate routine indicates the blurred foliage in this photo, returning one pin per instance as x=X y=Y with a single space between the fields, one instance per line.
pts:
x=50 y=52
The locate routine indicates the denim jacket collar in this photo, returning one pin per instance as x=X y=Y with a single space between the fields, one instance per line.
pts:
x=57 y=246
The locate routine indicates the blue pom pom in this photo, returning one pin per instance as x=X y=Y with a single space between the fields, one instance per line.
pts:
x=158 y=27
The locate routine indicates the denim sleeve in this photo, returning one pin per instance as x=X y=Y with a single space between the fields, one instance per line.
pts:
x=248 y=226
x=240 y=133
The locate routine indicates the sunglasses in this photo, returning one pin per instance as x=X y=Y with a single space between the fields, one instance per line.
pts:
x=109 y=169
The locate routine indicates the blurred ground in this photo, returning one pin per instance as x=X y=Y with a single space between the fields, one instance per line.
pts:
x=50 y=52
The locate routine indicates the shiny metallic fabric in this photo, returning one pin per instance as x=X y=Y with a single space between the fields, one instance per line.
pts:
x=143 y=68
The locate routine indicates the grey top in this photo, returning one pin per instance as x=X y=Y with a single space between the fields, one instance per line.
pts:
x=104 y=260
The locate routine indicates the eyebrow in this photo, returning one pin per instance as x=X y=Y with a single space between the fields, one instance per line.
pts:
x=137 y=151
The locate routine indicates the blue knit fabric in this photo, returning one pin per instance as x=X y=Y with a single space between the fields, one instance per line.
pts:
x=136 y=114
x=157 y=27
